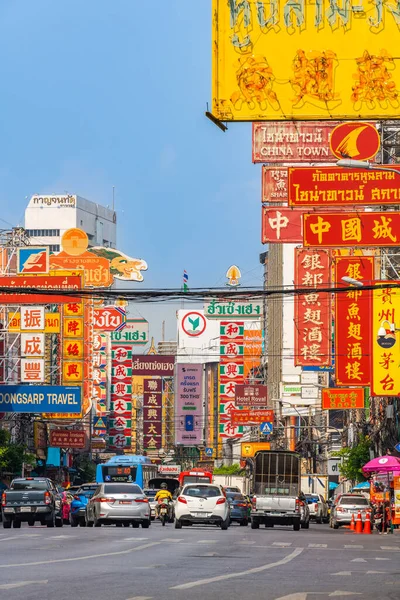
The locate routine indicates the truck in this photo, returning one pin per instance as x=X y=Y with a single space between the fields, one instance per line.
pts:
x=276 y=485
x=31 y=499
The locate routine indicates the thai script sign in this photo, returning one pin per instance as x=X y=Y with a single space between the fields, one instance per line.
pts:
x=289 y=60
x=52 y=322
x=225 y=309
x=152 y=414
x=281 y=225
x=295 y=142
x=352 y=229
x=67 y=438
x=251 y=417
x=336 y=186
x=134 y=332
x=25 y=290
x=352 y=321
x=252 y=352
x=55 y=201
x=342 y=398
x=189 y=404
x=40 y=399
x=153 y=365
x=312 y=310
x=251 y=395
x=33 y=260
x=169 y=469
x=385 y=341
x=109 y=318
x=274 y=184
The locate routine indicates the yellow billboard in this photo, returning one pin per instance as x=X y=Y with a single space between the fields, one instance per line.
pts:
x=385 y=341
x=320 y=59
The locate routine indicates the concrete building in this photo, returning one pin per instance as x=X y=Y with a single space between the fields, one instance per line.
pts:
x=47 y=217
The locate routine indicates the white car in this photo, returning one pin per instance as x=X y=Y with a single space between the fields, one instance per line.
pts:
x=203 y=503
x=318 y=508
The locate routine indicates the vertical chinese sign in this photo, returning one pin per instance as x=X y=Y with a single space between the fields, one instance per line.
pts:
x=152 y=414
x=313 y=313
x=73 y=344
x=352 y=322
x=252 y=353
x=120 y=418
x=32 y=344
x=385 y=341
x=99 y=373
x=231 y=372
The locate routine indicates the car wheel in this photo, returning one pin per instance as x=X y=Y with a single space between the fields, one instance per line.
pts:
x=126 y=524
x=244 y=523
x=178 y=524
x=31 y=522
x=269 y=525
x=16 y=524
x=325 y=520
x=97 y=522
x=118 y=524
x=145 y=524
x=225 y=524
x=296 y=526
x=82 y=522
x=51 y=521
x=59 y=522
x=318 y=520
x=6 y=524
x=255 y=524
x=335 y=525
x=135 y=525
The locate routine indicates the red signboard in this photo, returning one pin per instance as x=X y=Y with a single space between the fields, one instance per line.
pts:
x=342 y=398
x=153 y=365
x=312 y=310
x=292 y=142
x=66 y=438
x=356 y=140
x=152 y=414
x=331 y=186
x=352 y=229
x=281 y=225
x=251 y=395
x=274 y=184
x=249 y=417
x=109 y=318
x=27 y=288
x=352 y=321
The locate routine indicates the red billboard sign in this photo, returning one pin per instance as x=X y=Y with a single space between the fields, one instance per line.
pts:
x=338 y=186
x=250 y=417
x=152 y=414
x=356 y=140
x=352 y=229
x=26 y=289
x=312 y=310
x=109 y=318
x=292 y=142
x=251 y=395
x=352 y=321
x=274 y=184
x=342 y=398
x=281 y=225
x=66 y=438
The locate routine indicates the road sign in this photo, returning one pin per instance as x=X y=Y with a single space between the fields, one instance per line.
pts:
x=266 y=427
x=209 y=451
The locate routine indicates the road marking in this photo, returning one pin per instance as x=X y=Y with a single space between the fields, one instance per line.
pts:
x=375 y=572
x=353 y=546
x=284 y=561
x=174 y=540
x=61 y=537
x=133 y=539
x=207 y=541
x=248 y=543
x=317 y=545
x=141 y=598
x=23 y=535
x=344 y=573
x=382 y=559
x=282 y=544
x=339 y=593
x=358 y=560
x=9 y=586
x=76 y=558
x=390 y=547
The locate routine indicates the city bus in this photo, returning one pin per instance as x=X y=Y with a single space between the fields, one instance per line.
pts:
x=128 y=468
x=194 y=476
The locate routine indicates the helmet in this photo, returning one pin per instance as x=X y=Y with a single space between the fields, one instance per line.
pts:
x=164 y=486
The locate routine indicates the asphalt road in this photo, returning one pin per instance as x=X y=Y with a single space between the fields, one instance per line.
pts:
x=198 y=563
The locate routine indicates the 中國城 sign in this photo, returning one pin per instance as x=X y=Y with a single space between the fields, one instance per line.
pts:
x=289 y=60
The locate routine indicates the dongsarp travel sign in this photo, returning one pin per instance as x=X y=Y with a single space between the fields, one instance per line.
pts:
x=327 y=60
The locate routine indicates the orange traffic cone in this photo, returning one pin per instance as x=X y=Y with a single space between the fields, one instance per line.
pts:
x=359 y=527
x=352 y=523
x=367 y=523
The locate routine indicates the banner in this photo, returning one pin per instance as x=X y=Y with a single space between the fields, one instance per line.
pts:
x=231 y=373
x=385 y=341
x=40 y=399
x=253 y=344
x=189 y=404
x=152 y=414
x=275 y=61
x=251 y=396
x=251 y=417
x=342 y=399
x=281 y=225
x=274 y=184
x=337 y=186
x=67 y=438
x=233 y=309
x=26 y=289
x=120 y=417
x=153 y=365
x=364 y=229
x=352 y=321
x=313 y=314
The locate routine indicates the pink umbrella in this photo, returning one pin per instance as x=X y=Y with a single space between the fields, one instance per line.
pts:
x=382 y=464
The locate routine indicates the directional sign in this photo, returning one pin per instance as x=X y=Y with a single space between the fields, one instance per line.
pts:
x=209 y=451
x=266 y=427
x=397 y=447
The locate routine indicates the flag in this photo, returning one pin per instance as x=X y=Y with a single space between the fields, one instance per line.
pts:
x=185 y=281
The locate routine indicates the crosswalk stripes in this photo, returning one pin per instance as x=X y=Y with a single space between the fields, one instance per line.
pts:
x=317 y=545
x=282 y=544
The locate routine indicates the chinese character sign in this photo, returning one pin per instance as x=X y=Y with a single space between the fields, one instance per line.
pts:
x=385 y=342
x=279 y=61
x=281 y=225
x=32 y=318
x=312 y=318
x=99 y=380
x=342 y=399
x=352 y=321
x=152 y=414
x=352 y=229
x=231 y=373
x=32 y=344
x=189 y=404
x=274 y=184
x=32 y=370
x=120 y=418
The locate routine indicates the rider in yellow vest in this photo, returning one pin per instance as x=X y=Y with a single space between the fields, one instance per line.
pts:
x=163 y=494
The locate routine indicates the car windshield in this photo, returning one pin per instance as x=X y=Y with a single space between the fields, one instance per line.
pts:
x=29 y=485
x=115 y=488
x=311 y=499
x=87 y=492
x=347 y=500
x=235 y=497
x=200 y=491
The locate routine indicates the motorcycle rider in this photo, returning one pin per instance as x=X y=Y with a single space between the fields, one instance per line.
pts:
x=163 y=494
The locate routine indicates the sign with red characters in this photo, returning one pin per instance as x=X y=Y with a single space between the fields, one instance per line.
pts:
x=312 y=310
x=274 y=184
x=120 y=418
x=252 y=417
x=231 y=373
x=281 y=225
x=342 y=399
x=352 y=321
x=67 y=438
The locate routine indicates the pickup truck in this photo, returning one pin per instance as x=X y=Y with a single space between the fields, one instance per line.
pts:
x=276 y=484
x=31 y=499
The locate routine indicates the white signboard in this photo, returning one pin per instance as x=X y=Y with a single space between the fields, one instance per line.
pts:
x=169 y=469
x=309 y=391
x=309 y=377
x=333 y=466
x=32 y=370
x=198 y=337
x=32 y=318
x=32 y=344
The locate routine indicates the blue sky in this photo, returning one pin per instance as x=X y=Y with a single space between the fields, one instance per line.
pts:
x=102 y=93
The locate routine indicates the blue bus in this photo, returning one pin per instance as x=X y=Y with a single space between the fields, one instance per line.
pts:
x=127 y=468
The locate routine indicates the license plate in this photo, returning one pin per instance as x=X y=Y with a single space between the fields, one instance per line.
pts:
x=199 y=514
x=125 y=501
x=25 y=509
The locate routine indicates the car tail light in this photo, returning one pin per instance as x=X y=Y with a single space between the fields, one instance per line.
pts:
x=182 y=499
x=339 y=509
x=297 y=505
x=254 y=501
x=221 y=501
x=3 y=499
x=142 y=500
x=47 y=498
x=109 y=500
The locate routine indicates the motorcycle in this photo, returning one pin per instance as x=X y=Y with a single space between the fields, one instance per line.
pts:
x=163 y=510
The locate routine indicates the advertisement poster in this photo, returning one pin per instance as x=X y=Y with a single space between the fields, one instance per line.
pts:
x=189 y=404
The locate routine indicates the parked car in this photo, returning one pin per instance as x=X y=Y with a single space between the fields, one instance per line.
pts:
x=318 y=508
x=239 y=508
x=231 y=489
x=346 y=506
x=79 y=503
x=119 y=503
x=202 y=503
x=31 y=499
x=151 y=494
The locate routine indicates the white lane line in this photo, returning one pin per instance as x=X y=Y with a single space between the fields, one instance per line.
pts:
x=23 y=535
x=343 y=573
x=75 y=558
x=172 y=540
x=61 y=537
x=390 y=547
x=17 y=584
x=207 y=541
x=353 y=546
x=382 y=559
x=284 y=561
x=282 y=544
x=141 y=598
x=375 y=572
x=317 y=545
x=134 y=539
x=358 y=560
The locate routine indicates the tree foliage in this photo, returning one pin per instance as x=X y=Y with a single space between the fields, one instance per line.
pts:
x=13 y=455
x=353 y=459
x=234 y=469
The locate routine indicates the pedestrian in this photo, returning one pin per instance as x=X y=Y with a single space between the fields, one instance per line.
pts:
x=378 y=518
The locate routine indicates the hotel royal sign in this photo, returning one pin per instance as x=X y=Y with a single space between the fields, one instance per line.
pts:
x=291 y=59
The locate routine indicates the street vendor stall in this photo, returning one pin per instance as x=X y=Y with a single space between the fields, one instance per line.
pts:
x=385 y=485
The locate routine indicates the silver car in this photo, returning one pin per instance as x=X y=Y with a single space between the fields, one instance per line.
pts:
x=119 y=503
x=346 y=506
